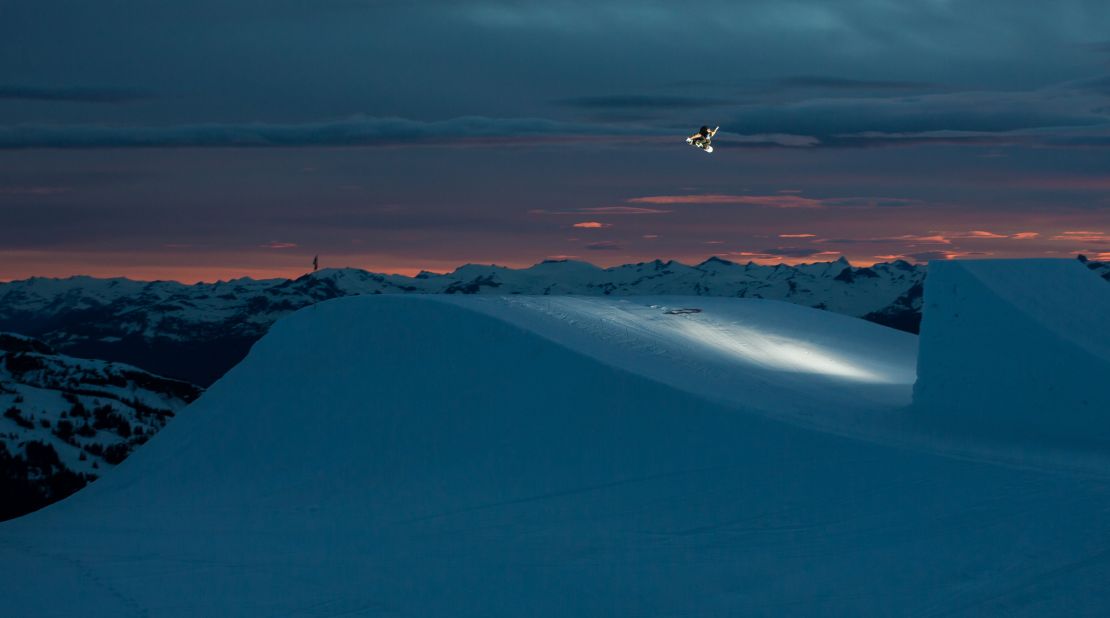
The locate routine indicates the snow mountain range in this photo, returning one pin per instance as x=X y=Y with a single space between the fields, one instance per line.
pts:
x=66 y=420
x=198 y=332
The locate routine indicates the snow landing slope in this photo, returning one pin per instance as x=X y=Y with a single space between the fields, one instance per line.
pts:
x=406 y=456
x=1017 y=350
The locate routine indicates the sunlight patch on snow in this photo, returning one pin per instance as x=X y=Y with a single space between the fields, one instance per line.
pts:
x=777 y=352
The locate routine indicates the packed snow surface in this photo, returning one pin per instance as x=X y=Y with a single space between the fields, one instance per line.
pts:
x=424 y=456
x=1001 y=358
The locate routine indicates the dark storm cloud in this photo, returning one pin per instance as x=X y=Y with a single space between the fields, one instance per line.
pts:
x=72 y=94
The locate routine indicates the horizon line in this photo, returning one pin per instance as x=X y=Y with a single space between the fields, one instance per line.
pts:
x=418 y=272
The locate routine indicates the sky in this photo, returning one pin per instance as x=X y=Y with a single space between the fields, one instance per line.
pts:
x=213 y=139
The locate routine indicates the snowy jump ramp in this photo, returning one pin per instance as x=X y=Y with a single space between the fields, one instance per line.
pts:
x=1017 y=350
x=403 y=456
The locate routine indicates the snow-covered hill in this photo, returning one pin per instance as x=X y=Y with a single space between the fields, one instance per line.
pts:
x=67 y=420
x=197 y=332
x=663 y=456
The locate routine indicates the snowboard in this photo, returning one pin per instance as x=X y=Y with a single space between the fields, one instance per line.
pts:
x=700 y=143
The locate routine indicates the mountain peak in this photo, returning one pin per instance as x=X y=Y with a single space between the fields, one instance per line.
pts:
x=563 y=263
x=719 y=261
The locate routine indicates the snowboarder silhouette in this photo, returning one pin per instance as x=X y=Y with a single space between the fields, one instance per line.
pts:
x=703 y=138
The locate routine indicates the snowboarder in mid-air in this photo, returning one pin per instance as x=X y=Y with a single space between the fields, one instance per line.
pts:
x=703 y=138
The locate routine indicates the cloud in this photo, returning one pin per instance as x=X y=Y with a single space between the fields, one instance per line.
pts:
x=623 y=210
x=71 y=95
x=1025 y=235
x=650 y=236
x=779 y=255
x=797 y=235
x=1061 y=105
x=778 y=200
x=980 y=234
x=825 y=124
x=843 y=83
x=796 y=252
x=757 y=256
x=880 y=139
x=34 y=190
x=926 y=256
x=355 y=131
x=1102 y=47
x=592 y=225
x=1083 y=236
x=768 y=140
x=633 y=101
x=774 y=201
x=604 y=245
x=932 y=239
x=273 y=244
x=1099 y=84
x=602 y=210
x=1069 y=182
